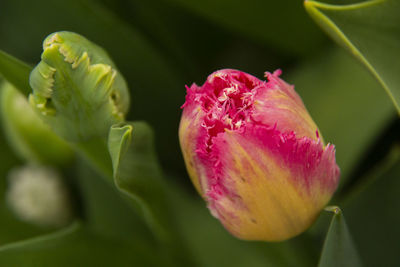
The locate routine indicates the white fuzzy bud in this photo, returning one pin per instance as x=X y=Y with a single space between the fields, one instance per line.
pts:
x=38 y=195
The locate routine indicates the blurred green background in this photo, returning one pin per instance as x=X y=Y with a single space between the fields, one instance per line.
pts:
x=162 y=45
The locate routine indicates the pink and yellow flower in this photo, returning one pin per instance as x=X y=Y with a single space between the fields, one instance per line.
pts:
x=255 y=155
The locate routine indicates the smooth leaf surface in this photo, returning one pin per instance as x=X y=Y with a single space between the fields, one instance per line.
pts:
x=372 y=214
x=136 y=171
x=16 y=72
x=331 y=86
x=75 y=246
x=339 y=249
x=138 y=175
x=263 y=21
x=370 y=31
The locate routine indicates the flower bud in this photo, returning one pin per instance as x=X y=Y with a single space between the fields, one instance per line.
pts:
x=255 y=155
x=37 y=195
x=77 y=89
x=27 y=133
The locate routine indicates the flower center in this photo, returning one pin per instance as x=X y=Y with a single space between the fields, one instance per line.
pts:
x=227 y=101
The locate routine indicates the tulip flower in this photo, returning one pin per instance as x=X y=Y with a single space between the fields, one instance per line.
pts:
x=255 y=155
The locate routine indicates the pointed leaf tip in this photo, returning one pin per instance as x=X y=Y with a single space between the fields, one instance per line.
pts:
x=339 y=248
x=335 y=209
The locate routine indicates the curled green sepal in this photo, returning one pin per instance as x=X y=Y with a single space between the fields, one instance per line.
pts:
x=339 y=249
x=138 y=176
x=137 y=173
x=77 y=89
x=27 y=133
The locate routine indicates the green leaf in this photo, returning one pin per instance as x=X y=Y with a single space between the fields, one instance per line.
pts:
x=138 y=175
x=136 y=171
x=345 y=101
x=76 y=246
x=282 y=24
x=370 y=31
x=372 y=213
x=16 y=72
x=338 y=249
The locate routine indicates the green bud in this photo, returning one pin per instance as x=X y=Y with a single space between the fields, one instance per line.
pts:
x=28 y=135
x=77 y=89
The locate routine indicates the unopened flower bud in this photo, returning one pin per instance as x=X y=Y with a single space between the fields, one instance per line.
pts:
x=255 y=155
x=77 y=89
x=38 y=195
